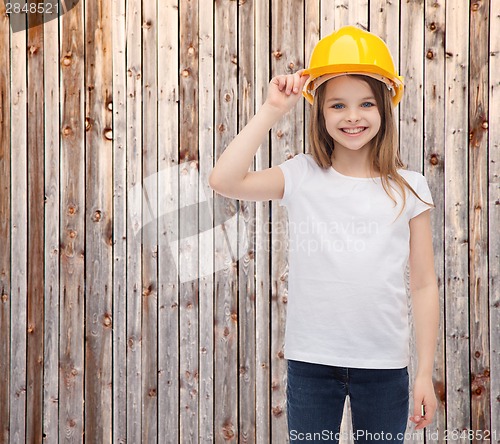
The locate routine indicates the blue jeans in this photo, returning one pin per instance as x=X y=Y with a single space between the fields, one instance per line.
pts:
x=315 y=403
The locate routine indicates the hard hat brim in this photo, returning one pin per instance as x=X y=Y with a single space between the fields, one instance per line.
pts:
x=314 y=73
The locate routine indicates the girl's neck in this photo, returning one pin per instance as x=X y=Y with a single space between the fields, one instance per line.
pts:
x=354 y=167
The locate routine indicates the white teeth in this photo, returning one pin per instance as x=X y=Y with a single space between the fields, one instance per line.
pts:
x=353 y=131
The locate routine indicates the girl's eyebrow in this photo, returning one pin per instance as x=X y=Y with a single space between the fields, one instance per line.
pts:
x=340 y=99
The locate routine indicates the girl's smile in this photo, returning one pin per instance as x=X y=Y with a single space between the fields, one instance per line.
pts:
x=353 y=132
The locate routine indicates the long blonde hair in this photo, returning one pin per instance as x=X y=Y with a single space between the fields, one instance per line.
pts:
x=384 y=154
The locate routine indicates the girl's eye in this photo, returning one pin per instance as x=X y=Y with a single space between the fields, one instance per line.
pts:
x=369 y=105
x=337 y=106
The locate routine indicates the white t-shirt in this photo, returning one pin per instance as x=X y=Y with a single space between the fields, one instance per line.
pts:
x=347 y=303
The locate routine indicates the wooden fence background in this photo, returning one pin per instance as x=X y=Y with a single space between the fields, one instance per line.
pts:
x=136 y=305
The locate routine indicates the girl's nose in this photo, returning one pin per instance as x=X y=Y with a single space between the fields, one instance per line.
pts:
x=352 y=115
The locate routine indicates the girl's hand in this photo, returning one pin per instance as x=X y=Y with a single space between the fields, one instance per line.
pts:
x=285 y=91
x=423 y=394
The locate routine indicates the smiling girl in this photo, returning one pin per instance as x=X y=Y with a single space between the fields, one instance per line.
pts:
x=347 y=328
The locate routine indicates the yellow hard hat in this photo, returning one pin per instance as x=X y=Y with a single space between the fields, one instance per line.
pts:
x=351 y=50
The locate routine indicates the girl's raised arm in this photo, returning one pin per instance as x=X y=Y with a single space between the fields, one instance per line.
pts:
x=231 y=176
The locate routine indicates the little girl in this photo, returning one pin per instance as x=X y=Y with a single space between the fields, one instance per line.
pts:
x=356 y=217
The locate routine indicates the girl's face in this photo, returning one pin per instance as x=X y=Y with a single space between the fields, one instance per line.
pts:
x=351 y=115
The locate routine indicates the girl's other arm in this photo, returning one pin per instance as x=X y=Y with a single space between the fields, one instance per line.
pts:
x=231 y=176
x=425 y=303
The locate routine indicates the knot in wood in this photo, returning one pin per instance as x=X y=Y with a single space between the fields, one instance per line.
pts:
x=71 y=210
x=107 y=320
x=227 y=97
x=72 y=234
x=430 y=54
x=66 y=60
x=110 y=106
x=277 y=411
x=475 y=7
x=67 y=131
x=432 y=26
x=108 y=134
x=434 y=159
x=277 y=54
x=228 y=431
x=484 y=125
x=88 y=123
x=97 y=216
x=191 y=50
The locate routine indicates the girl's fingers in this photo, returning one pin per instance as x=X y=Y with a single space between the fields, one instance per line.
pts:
x=281 y=83
x=296 y=83
x=290 y=83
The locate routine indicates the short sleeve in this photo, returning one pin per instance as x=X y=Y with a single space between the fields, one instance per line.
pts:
x=424 y=193
x=294 y=171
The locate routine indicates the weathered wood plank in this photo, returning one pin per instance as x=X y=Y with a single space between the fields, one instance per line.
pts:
x=19 y=242
x=99 y=222
x=134 y=226
x=225 y=236
x=434 y=140
x=52 y=232
x=168 y=228
x=351 y=13
x=246 y=236
x=384 y=22
x=412 y=134
x=19 y=236
x=35 y=327
x=456 y=235
x=412 y=69
x=327 y=14
x=206 y=250
x=5 y=218
x=149 y=258
x=72 y=280
x=287 y=41
x=494 y=214
x=262 y=238
x=478 y=216
x=119 y=317
x=188 y=222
